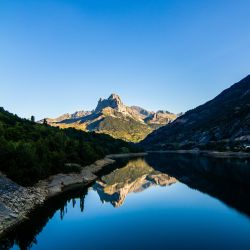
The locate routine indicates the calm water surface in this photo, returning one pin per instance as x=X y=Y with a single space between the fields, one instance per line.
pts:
x=158 y=202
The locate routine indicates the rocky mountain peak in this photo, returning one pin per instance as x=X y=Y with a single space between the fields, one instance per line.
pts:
x=114 y=101
x=113 y=117
x=141 y=111
x=114 y=97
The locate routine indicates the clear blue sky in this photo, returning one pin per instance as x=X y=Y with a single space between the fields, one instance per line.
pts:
x=61 y=56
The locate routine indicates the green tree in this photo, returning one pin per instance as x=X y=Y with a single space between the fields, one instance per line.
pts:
x=32 y=118
x=30 y=151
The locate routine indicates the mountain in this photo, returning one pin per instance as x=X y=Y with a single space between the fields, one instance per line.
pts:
x=63 y=117
x=112 y=117
x=30 y=151
x=222 y=123
x=134 y=177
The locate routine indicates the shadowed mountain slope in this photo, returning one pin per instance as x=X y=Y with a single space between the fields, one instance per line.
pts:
x=222 y=123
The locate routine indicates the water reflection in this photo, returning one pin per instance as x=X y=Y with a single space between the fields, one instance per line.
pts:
x=136 y=176
x=24 y=235
x=225 y=179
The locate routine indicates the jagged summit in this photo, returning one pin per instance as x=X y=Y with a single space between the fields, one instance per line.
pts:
x=114 y=101
x=114 y=96
x=113 y=117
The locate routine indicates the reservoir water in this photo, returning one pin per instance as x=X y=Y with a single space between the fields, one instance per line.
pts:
x=161 y=201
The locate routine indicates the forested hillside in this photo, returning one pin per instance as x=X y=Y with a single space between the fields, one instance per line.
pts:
x=31 y=151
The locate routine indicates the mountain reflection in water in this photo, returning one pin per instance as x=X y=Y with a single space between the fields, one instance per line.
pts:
x=135 y=176
x=225 y=179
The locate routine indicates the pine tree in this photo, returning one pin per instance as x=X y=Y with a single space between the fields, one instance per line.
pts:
x=32 y=118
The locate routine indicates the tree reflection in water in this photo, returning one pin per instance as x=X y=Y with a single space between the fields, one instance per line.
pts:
x=24 y=235
x=226 y=179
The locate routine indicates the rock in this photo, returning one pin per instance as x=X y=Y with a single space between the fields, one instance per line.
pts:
x=73 y=165
x=16 y=201
x=114 y=101
x=113 y=117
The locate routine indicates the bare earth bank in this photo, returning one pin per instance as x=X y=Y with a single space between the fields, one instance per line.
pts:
x=16 y=202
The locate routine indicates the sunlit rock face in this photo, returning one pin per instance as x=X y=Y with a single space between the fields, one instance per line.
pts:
x=114 y=101
x=111 y=116
x=136 y=176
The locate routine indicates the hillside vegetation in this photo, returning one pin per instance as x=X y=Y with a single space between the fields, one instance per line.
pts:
x=30 y=151
x=128 y=130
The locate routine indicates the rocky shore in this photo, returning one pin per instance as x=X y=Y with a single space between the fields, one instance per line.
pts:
x=117 y=156
x=16 y=202
x=218 y=154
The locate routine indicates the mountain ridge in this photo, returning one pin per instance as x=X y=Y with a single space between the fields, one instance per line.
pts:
x=223 y=121
x=111 y=116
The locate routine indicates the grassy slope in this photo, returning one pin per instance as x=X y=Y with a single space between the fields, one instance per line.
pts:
x=128 y=130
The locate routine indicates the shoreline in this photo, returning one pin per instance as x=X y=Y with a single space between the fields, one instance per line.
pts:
x=17 y=202
x=130 y=155
x=217 y=154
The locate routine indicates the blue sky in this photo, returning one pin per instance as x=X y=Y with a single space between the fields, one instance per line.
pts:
x=59 y=56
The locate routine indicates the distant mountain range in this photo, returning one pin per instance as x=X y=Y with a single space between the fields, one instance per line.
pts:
x=112 y=117
x=222 y=123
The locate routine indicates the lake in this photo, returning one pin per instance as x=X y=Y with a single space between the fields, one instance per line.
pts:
x=161 y=201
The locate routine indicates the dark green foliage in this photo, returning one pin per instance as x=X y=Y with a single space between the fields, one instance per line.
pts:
x=30 y=151
x=32 y=118
x=45 y=122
